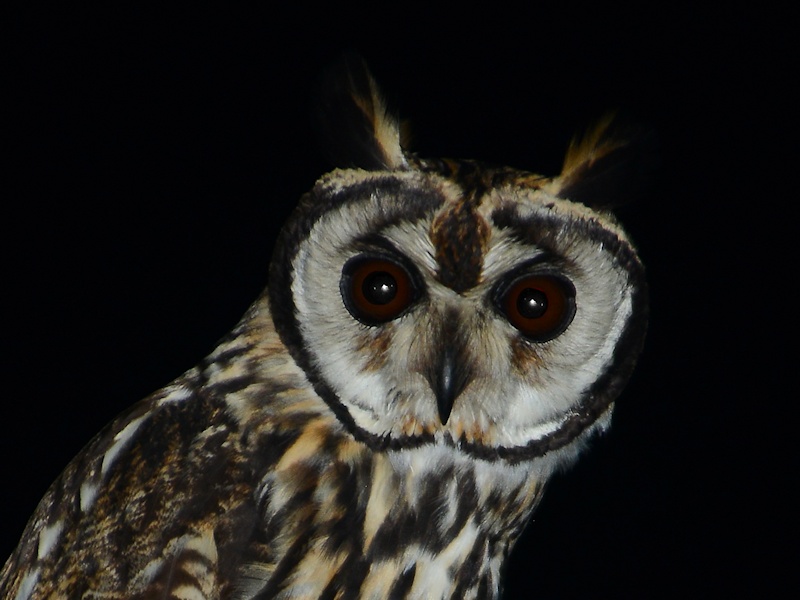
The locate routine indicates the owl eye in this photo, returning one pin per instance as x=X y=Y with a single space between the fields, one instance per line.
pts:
x=376 y=290
x=541 y=306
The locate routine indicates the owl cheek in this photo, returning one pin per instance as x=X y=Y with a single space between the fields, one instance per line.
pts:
x=524 y=357
x=374 y=345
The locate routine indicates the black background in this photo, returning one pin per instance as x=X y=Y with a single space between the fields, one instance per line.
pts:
x=153 y=153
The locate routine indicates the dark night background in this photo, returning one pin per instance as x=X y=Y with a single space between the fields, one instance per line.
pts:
x=151 y=155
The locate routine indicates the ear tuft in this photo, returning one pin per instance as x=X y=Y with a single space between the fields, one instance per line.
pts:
x=609 y=166
x=356 y=125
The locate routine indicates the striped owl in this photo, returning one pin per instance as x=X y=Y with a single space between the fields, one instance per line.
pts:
x=437 y=338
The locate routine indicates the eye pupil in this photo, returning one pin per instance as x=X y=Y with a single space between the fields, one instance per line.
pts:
x=532 y=303
x=379 y=288
x=539 y=305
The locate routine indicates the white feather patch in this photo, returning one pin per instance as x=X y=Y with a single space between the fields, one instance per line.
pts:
x=88 y=494
x=28 y=583
x=176 y=395
x=48 y=538
x=121 y=440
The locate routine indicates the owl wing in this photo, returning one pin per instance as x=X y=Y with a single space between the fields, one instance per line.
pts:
x=159 y=503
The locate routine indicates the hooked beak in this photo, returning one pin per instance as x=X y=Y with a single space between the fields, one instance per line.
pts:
x=449 y=377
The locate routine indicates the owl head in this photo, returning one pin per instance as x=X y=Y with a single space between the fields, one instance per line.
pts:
x=445 y=302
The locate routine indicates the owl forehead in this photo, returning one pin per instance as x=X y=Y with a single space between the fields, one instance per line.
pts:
x=460 y=236
x=465 y=218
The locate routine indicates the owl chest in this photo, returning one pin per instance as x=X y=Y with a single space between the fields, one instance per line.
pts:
x=385 y=526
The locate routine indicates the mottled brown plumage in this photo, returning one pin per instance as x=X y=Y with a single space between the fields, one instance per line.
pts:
x=386 y=439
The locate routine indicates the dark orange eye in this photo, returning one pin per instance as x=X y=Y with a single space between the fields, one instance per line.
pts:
x=376 y=290
x=541 y=307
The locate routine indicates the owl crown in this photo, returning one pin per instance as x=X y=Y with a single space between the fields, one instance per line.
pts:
x=613 y=163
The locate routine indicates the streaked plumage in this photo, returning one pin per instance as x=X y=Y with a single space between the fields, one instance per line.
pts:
x=438 y=337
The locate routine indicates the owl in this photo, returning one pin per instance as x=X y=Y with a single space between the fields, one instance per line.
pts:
x=437 y=338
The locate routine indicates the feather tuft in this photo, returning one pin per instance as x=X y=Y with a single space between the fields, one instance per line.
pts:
x=358 y=129
x=609 y=166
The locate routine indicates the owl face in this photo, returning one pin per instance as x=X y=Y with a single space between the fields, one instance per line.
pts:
x=479 y=311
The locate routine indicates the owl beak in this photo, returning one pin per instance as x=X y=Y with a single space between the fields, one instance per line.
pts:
x=448 y=379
